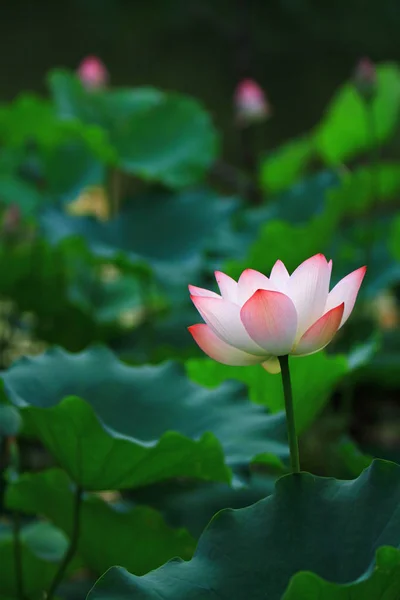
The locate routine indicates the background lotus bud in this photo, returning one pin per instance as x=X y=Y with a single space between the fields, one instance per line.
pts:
x=258 y=319
x=93 y=73
x=365 y=78
x=251 y=104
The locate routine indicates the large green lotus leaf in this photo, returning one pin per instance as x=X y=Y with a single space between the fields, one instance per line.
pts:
x=169 y=231
x=314 y=378
x=157 y=136
x=99 y=458
x=328 y=527
x=111 y=425
x=345 y=129
x=173 y=142
x=30 y=118
x=282 y=168
x=42 y=548
x=106 y=529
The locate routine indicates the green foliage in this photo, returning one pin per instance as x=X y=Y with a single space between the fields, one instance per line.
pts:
x=10 y=420
x=382 y=583
x=253 y=543
x=103 y=524
x=345 y=129
x=282 y=168
x=156 y=136
x=313 y=378
x=174 y=253
x=42 y=548
x=111 y=202
x=122 y=432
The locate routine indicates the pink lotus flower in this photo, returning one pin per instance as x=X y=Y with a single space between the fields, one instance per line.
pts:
x=259 y=318
x=93 y=73
x=251 y=103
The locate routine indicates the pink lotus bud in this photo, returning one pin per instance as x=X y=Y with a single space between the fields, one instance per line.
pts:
x=93 y=73
x=365 y=77
x=251 y=104
x=259 y=318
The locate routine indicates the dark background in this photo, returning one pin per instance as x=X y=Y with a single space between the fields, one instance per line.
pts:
x=298 y=50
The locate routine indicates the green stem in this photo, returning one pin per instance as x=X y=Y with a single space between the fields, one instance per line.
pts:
x=373 y=162
x=19 y=577
x=291 y=426
x=73 y=544
x=14 y=466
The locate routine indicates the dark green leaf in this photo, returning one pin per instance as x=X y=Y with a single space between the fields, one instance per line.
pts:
x=42 y=546
x=331 y=528
x=110 y=533
x=185 y=504
x=131 y=426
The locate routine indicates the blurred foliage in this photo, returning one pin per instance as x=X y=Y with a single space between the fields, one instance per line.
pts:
x=111 y=202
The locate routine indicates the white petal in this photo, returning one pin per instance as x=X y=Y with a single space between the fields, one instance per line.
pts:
x=308 y=288
x=196 y=291
x=218 y=350
x=280 y=276
x=227 y=286
x=249 y=282
x=270 y=319
x=346 y=291
x=223 y=317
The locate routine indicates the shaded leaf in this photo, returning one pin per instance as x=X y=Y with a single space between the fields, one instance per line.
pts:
x=170 y=232
x=189 y=505
x=157 y=136
x=110 y=533
x=131 y=426
x=42 y=547
x=331 y=528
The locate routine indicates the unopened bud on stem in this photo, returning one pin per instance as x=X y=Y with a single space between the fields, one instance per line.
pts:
x=93 y=73
x=365 y=78
x=251 y=103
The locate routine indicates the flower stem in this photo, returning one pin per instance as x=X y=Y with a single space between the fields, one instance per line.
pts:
x=73 y=544
x=19 y=580
x=373 y=164
x=291 y=426
x=14 y=467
